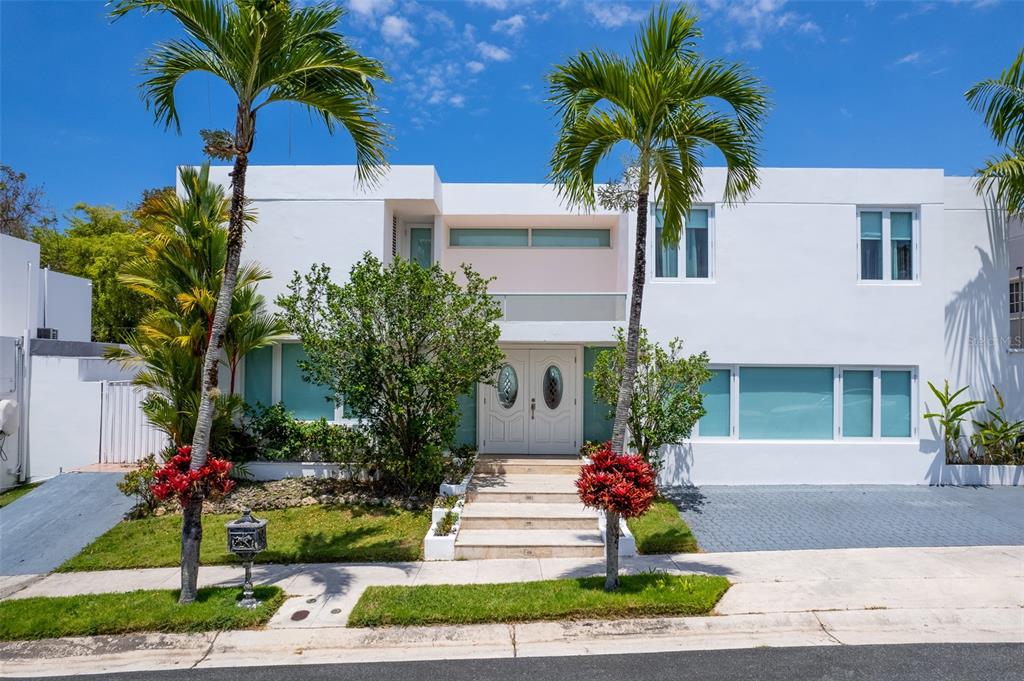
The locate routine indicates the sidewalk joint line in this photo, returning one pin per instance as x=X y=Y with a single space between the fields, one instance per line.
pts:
x=825 y=630
x=208 y=650
x=512 y=635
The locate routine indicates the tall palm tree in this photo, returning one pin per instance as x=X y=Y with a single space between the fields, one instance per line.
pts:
x=670 y=106
x=266 y=51
x=1001 y=100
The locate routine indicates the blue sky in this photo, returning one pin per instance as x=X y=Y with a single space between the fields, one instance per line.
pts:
x=868 y=84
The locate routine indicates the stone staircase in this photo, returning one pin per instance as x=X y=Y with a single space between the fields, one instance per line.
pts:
x=526 y=507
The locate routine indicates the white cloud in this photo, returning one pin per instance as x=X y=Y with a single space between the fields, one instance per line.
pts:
x=493 y=52
x=511 y=26
x=612 y=14
x=910 y=58
x=757 y=19
x=474 y=66
x=916 y=9
x=458 y=101
x=500 y=5
x=398 y=30
x=368 y=9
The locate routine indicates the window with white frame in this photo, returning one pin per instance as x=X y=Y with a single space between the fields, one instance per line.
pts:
x=273 y=375
x=1017 y=315
x=888 y=246
x=691 y=257
x=809 y=403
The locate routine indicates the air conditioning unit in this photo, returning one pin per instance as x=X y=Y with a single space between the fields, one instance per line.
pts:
x=48 y=334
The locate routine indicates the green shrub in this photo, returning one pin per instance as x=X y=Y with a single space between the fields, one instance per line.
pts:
x=278 y=436
x=136 y=483
x=446 y=525
x=460 y=463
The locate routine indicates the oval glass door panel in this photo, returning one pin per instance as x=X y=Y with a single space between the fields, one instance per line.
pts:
x=553 y=387
x=508 y=386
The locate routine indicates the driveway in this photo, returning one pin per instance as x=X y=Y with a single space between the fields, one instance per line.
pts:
x=58 y=519
x=775 y=518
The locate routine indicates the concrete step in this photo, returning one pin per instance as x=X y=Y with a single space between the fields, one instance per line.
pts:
x=485 y=544
x=528 y=516
x=547 y=489
x=528 y=465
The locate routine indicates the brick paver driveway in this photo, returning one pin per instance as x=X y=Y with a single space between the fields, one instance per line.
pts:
x=771 y=518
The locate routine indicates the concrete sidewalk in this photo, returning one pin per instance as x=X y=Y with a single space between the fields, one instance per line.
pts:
x=787 y=598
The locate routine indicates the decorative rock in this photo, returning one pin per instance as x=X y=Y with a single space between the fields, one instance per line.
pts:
x=309 y=501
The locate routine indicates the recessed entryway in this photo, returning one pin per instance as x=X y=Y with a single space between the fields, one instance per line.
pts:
x=533 y=406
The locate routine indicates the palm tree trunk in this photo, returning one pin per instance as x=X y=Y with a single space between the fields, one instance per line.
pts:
x=191 y=526
x=625 y=399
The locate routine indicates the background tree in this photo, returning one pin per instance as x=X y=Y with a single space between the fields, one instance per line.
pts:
x=669 y=106
x=667 y=401
x=22 y=208
x=1001 y=100
x=401 y=343
x=98 y=242
x=266 y=51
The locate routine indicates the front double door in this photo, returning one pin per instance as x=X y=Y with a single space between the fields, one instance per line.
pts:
x=531 y=409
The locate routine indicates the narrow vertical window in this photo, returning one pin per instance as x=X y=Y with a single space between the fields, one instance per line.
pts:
x=858 y=403
x=697 y=244
x=871 y=245
x=421 y=246
x=716 y=419
x=896 y=403
x=666 y=256
x=901 y=226
x=1016 y=315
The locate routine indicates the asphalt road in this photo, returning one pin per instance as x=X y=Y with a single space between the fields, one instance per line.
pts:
x=944 y=662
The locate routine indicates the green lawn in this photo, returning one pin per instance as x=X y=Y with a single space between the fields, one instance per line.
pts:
x=643 y=595
x=661 y=530
x=16 y=493
x=215 y=609
x=308 y=534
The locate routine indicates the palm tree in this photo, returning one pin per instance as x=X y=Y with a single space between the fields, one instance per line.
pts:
x=266 y=51
x=665 y=102
x=1002 y=102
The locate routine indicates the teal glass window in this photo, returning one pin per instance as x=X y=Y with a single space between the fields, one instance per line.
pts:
x=871 y=245
x=896 y=403
x=666 y=256
x=571 y=238
x=786 y=403
x=697 y=244
x=473 y=237
x=858 y=403
x=303 y=399
x=901 y=237
x=717 y=405
x=465 y=432
x=421 y=246
x=259 y=377
x=597 y=415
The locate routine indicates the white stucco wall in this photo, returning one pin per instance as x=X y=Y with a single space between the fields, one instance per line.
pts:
x=67 y=302
x=64 y=420
x=19 y=291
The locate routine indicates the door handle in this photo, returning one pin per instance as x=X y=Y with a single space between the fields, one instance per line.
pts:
x=533 y=406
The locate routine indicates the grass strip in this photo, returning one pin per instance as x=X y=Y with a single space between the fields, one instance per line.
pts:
x=16 y=493
x=136 y=611
x=662 y=530
x=643 y=595
x=308 y=534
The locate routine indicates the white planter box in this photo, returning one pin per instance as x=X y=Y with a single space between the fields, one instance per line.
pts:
x=263 y=471
x=988 y=476
x=440 y=548
x=453 y=490
x=438 y=512
x=627 y=543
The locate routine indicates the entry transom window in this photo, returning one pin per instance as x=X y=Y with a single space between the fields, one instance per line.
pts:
x=694 y=247
x=888 y=244
x=523 y=237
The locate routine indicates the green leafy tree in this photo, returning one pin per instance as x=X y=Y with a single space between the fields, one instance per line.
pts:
x=265 y=51
x=670 y=106
x=1001 y=100
x=667 y=401
x=98 y=242
x=401 y=342
x=22 y=208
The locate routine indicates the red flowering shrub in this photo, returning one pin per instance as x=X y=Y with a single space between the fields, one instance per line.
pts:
x=176 y=479
x=620 y=483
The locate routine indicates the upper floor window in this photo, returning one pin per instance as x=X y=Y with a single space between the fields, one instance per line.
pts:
x=537 y=237
x=694 y=246
x=888 y=244
x=421 y=245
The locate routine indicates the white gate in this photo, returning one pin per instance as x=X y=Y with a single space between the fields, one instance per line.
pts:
x=126 y=435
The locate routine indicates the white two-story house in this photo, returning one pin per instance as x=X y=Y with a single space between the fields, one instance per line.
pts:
x=826 y=303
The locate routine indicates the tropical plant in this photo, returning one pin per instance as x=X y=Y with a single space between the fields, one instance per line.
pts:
x=176 y=479
x=401 y=342
x=670 y=106
x=279 y=436
x=265 y=51
x=667 y=401
x=138 y=483
x=951 y=418
x=997 y=439
x=1001 y=100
